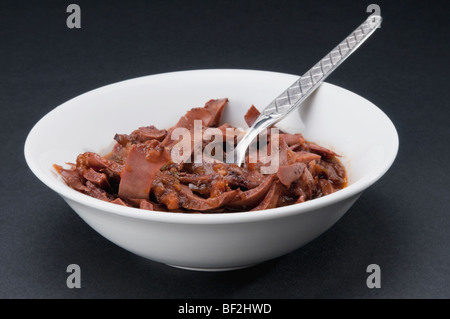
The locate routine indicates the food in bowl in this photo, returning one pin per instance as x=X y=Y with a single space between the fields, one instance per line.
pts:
x=334 y=117
x=176 y=170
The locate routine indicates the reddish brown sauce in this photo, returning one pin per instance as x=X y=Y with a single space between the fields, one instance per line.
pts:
x=140 y=172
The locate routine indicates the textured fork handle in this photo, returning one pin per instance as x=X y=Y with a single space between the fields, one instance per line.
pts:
x=291 y=98
x=305 y=85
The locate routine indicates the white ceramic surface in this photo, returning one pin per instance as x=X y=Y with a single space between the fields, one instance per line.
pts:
x=332 y=116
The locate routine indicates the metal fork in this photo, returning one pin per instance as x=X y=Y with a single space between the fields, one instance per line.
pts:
x=294 y=96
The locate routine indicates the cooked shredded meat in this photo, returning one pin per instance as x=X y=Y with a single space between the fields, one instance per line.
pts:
x=251 y=115
x=140 y=172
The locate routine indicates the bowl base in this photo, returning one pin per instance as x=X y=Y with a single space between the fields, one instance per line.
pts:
x=211 y=269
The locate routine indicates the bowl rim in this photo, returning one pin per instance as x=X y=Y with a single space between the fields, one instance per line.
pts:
x=208 y=218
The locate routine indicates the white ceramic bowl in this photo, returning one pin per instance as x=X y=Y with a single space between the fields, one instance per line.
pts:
x=332 y=117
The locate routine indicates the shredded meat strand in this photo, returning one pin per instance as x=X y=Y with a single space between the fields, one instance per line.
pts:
x=139 y=171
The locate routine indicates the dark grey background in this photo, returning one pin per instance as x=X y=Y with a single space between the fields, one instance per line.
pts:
x=401 y=223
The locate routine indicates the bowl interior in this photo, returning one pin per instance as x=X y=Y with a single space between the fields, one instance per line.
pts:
x=332 y=117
